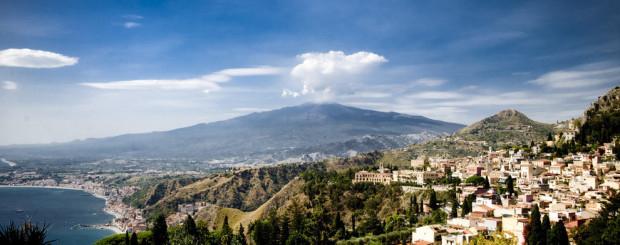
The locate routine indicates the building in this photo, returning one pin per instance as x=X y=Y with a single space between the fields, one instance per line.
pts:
x=429 y=233
x=365 y=176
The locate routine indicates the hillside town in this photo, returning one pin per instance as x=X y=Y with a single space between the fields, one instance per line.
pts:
x=568 y=189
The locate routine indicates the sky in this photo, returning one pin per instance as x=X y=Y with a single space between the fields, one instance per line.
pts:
x=88 y=69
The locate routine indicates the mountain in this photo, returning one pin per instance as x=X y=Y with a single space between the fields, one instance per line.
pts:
x=300 y=133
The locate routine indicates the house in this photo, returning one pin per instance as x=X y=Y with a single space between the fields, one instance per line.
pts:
x=429 y=233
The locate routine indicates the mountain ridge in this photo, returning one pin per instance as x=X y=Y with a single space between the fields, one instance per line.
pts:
x=267 y=137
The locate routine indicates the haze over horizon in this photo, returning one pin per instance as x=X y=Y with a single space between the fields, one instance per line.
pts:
x=74 y=70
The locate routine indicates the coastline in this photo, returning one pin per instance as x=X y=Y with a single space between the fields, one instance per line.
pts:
x=107 y=209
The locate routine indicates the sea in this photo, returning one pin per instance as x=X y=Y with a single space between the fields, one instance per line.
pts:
x=63 y=209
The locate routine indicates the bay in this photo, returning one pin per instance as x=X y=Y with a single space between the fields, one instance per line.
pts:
x=64 y=209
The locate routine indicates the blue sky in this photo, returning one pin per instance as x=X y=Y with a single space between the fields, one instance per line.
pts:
x=82 y=69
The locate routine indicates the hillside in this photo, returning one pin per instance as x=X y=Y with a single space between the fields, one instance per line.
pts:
x=508 y=127
x=245 y=189
x=601 y=121
x=308 y=132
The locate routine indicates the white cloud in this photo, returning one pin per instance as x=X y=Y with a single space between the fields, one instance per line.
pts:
x=9 y=85
x=589 y=75
x=428 y=82
x=288 y=92
x=207 y=83
x=436 y=95
x=132 y=24
x=29 y=58
x=324 y=72
x=367 y=95
x=133 y=16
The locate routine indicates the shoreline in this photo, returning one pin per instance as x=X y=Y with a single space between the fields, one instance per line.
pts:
x=106 y=209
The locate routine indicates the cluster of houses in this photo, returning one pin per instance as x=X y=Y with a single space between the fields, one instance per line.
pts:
x=182 y=211
x=568 y=189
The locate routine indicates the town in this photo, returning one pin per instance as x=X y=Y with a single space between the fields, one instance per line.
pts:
x=569 y=189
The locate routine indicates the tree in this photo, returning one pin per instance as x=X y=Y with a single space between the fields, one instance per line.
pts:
x=189 y=226
x=476 y=180
x=239 y=239
x=226 y=234
x=296 y=238
x=498 y=238
x=546 y=229
x=285 y=232
x=604 y=229
x=465 y=207
x=394 y=223
x=26 y=233
x=559 y=232
x=536 y=236
x=134 y=239
x=127 y=238
x=414 y=205
x=455 y=206
x=510 y=186
x=487 y=184
x=338 y=227
x=433 y=201
x=160 y=230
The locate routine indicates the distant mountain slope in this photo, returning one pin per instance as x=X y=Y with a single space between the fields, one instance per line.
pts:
x=305 y=132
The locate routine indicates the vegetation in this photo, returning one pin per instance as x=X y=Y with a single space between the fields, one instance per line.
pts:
x=26 y=233
x=604 y=229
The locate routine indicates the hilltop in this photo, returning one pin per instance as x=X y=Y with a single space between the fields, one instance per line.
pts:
x=506 y=127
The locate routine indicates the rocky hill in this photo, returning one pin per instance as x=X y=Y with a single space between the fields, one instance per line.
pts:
x=601 y=121
x=506 y=127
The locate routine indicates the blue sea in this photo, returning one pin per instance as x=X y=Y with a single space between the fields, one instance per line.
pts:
x=63 y=209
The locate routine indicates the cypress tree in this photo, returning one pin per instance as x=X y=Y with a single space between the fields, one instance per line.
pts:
x=487 y=184
x=421 y=206
x=414 y=205
x=465 y=207
x=189 y=226
x=559 y=232
x=510 y=186
x=127 y=238
x=226 y=232
x=433 y=201
x=353 y=223
x=455 y=206
x=546 y=229
x=284 y=232
x=134 y=239
x=160 y=230
x=535 y=236
x=240 y=237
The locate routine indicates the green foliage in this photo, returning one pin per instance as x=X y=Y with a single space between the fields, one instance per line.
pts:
x=189 y=226
x=604 y=229
x=26 y=233
x=160 y=230
x=499 y=238
x=476 y=180
x=536 y=235
x=119 y=239
x=510 y=186
x=134 y=239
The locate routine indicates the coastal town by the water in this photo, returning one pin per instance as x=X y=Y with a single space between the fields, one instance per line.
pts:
x=498 y=189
